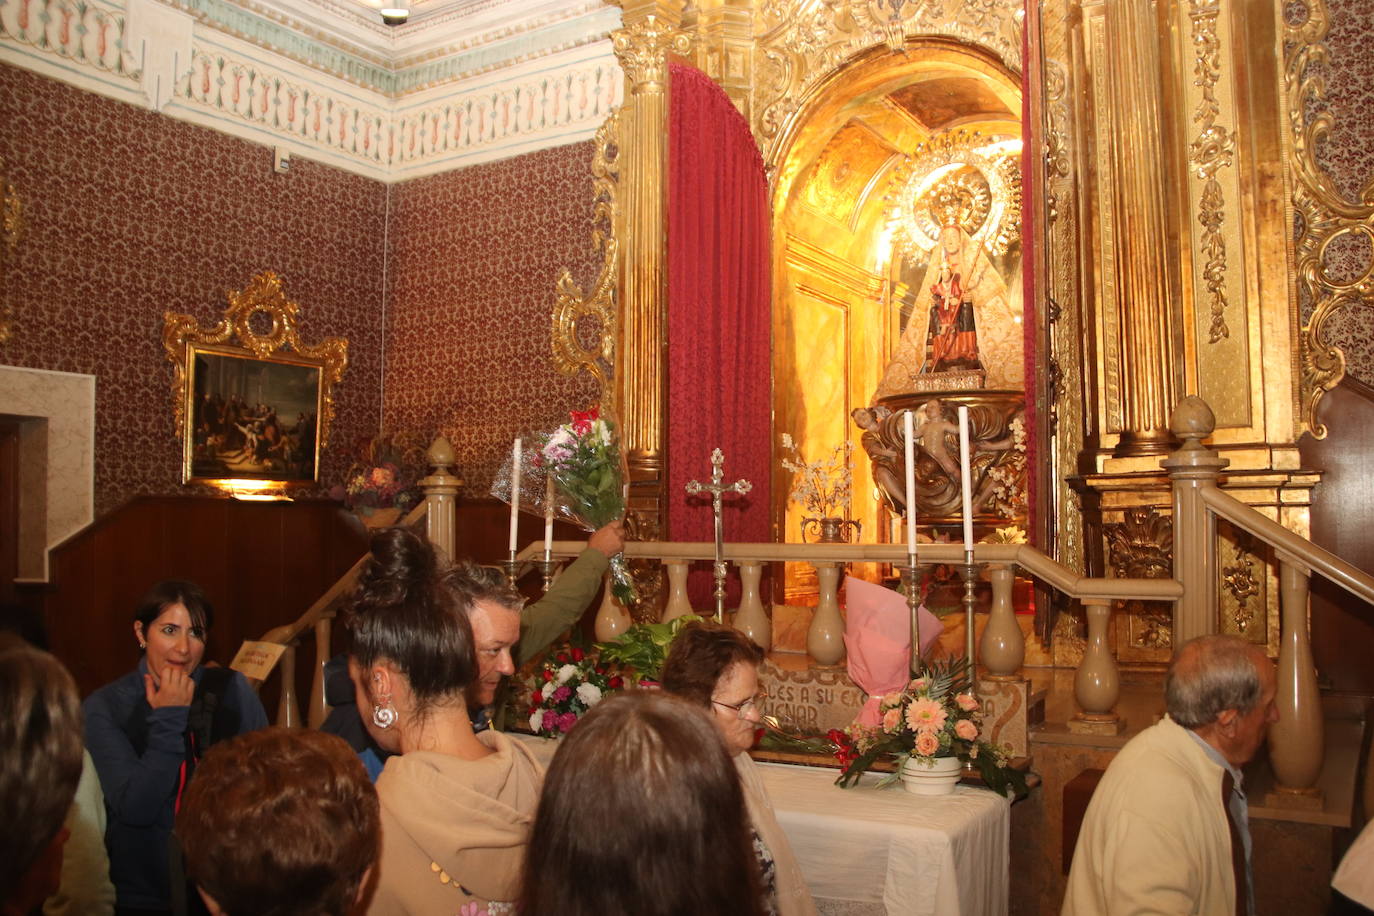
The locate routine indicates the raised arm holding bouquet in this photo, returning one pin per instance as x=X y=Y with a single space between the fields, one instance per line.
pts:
x=584 y=459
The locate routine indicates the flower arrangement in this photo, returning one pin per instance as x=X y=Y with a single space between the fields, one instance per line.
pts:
x=583 y=458
x=936 y=715
x=384 y=474
x=572 y=682
x=820 y=487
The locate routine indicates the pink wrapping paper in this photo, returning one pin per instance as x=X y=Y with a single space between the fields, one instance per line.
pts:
x=877 y=637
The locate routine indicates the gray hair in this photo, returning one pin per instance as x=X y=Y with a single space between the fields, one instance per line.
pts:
x=1210 y=674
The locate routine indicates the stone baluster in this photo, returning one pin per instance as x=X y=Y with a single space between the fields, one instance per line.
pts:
x=1194 y=468
x=1097 y=683
x=441 y=498
x=288 y=709
x=319 y=707
x=677 y=603
x=1296 y=739
x=1003 y=646
x=611 y=618
x=750 y=617
x=825 y=636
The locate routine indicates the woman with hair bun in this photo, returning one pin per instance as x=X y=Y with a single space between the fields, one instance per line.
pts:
x=679 y=842
x=147 y=730
x=456 y=806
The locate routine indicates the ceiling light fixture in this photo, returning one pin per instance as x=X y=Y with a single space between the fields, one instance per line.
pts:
x=395 y=15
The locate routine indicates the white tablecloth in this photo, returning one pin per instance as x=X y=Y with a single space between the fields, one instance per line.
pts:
x=874 y=851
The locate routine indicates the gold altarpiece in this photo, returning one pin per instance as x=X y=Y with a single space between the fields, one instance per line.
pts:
x=1178 y=244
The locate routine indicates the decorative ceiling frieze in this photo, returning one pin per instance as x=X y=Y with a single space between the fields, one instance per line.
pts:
x=469 y=81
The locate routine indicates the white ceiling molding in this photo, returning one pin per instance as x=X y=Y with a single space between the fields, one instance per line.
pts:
x=503 y=85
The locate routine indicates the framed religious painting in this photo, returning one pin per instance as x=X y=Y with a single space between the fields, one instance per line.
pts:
x=253 y=403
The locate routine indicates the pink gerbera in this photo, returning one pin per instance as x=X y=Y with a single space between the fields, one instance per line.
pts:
x=926 y=716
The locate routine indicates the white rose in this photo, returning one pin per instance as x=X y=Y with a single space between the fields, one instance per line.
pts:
x=589 y=694
x=565 y=673
x=536 y=720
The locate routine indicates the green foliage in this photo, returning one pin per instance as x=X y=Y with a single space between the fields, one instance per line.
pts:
x=644 y=646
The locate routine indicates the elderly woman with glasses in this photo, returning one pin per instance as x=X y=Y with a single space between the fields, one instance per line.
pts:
x=717 y=667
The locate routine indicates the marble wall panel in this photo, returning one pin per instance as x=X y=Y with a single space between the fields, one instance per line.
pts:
x=475 y=255
x=130 y=214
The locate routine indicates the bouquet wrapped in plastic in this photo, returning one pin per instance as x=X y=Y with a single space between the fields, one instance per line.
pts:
x=583 y=460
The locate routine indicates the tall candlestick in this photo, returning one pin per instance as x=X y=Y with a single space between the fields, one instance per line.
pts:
x=910 y=437
x=548 y=517
x=966 y=478
x=514 y=495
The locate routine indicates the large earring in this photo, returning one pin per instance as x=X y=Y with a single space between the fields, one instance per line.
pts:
x=384 y=714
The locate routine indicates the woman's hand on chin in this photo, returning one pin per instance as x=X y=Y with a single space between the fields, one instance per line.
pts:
x=172 y=687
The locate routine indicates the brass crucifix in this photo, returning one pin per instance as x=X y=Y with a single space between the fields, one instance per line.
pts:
x=717 y=489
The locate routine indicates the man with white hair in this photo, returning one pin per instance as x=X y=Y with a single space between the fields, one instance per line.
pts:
x=1167 y=830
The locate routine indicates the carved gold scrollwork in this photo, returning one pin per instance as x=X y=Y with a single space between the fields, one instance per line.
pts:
x=1322 y=214
x=11 y=229
x=570 y=355
x=1240 y=582
x=1210 y=151
x=804 y=41
x=1140 y=546
x=263 y=295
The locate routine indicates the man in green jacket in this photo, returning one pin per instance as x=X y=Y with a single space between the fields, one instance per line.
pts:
x=507 y=636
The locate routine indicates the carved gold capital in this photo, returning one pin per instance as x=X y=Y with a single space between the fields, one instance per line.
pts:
x=643 y=48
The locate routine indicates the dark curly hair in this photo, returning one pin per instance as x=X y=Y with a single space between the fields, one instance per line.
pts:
x=700 y=654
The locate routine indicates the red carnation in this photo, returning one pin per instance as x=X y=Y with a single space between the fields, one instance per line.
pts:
x=537 y=698
x=562 y=658
x=578 y=654
x=616 y=683
x=548 y=675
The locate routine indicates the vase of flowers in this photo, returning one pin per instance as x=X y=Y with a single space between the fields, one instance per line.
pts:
x=932 y=728
x=822 y=489
x=570 y=683
x=382 y=483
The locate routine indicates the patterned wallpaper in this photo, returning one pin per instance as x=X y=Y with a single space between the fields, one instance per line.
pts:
x=131 y=214
x=1348 y=157
x=475 y=255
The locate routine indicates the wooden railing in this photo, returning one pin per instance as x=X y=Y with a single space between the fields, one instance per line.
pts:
x=437 y=512
x=1296 y=739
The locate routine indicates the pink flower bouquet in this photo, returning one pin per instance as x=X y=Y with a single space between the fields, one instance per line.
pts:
x=935 y=715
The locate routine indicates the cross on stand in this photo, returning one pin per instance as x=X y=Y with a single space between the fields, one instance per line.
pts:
x=717 y=489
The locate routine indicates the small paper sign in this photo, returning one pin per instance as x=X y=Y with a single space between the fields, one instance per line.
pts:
x=257 y=659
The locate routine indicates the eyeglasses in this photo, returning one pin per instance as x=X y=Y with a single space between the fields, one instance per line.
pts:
x=744 y=707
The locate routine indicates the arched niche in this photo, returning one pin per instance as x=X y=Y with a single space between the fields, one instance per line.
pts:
x=846 y=281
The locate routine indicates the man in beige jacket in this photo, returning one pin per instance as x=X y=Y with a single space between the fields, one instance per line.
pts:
x=1167 y=829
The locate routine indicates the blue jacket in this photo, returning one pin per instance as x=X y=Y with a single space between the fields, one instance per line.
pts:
x=140 y=791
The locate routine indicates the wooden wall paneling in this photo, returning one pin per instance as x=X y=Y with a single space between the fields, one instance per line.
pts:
x=1342 y=627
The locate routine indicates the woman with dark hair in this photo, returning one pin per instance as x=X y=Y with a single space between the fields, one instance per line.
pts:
x=147 y=730
x=716 y=668
x=678 y=842
x=456 y=805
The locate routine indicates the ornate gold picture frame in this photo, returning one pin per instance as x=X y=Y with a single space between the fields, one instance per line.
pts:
x=251 y=401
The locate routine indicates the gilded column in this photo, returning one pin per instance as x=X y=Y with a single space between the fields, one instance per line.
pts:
x=642 y=46
x=1150 y=364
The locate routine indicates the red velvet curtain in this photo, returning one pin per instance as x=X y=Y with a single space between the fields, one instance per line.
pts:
x=719 y=322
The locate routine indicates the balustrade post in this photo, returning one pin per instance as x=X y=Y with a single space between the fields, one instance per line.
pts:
x=441 y=498
x=1296 y=748
x=825 y=636
x=1097 y=684
x=677 y=603
x=319 y=706
x=288 y=710
x=611 y=618
x=750 y=617
x=1003 y=646
x=1192 y=469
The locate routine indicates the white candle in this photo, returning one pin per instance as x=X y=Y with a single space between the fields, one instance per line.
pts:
x=548 y=517
x=966 y=478
x=514 y=495
x=910 y=437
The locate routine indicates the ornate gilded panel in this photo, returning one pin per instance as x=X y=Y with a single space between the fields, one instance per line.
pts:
x=11 y=228
x=1325 y=222
x=802 y=42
